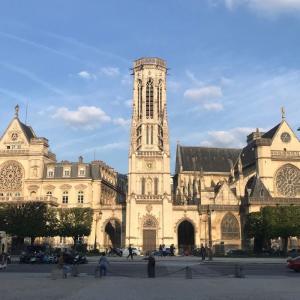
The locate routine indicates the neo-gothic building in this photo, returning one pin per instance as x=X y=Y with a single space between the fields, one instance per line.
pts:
x=204 y=202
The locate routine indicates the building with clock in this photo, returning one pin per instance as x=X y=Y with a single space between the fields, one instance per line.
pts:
x=204 y=202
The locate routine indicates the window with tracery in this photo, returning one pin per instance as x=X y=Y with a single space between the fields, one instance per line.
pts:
x=230 y=228
x=11 y=176
x=288 y=181
x=149 y=99
x=149 y=222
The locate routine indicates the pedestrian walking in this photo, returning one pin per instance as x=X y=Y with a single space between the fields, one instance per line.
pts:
x=172 y=250
x=203 y=252
x=130 y=252
x=102 y=265
x=164 y=250
x=151 y=266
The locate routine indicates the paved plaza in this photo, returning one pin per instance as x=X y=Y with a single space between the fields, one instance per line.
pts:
x=264 y=279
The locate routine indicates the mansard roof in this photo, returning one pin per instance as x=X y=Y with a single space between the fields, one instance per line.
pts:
x=207 y=159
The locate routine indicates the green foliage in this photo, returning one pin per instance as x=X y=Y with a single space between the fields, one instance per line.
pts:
x=32 y=219
x=75 y=222
x=273 y=222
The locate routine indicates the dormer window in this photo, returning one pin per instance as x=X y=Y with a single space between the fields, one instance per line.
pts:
x=67 y=172
x=50 y=173
x=81 y=172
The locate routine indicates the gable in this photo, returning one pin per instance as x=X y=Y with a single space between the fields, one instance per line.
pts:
x=16 y=136
x=285 y=138
x=225 y=196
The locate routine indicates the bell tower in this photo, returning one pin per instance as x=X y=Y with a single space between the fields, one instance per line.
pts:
x=149 y=207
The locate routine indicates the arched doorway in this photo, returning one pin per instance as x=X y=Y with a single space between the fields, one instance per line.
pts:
x=186 y=237
x=112 y=234
x=149 y=235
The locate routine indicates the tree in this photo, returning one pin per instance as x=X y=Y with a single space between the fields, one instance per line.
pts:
x=75 y=222
x=282 y=221
x=32 y=219
x=254 y=228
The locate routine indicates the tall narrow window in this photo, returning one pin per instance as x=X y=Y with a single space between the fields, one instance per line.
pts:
x=147 y=135
x=149 y=99
x=140 y=99
x=159 y=98
x=155 y=186
x=151 y=137
x=80 y=197
x=143 y=186
x=65 y=197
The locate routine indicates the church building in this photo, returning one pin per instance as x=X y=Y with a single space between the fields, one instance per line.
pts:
x=204 y=202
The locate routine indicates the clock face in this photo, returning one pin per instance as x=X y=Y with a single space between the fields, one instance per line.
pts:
x=285 y=137
x=14 y=136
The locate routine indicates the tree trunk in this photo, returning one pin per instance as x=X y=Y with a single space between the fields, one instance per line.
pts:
x=284 y=245
x=32 y=239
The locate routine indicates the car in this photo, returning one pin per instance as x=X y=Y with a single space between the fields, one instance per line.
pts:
x=294 y=263
x=135 y=251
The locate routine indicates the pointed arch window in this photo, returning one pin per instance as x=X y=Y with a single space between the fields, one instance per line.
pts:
x=149 y=99
x=159 y=98
x=143 y=186
x=230 y=228
x=140 y=98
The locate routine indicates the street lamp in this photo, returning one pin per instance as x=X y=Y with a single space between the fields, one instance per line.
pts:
x=98 y=217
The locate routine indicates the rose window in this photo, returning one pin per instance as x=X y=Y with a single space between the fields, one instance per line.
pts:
x=11 y=174
x=288 y=181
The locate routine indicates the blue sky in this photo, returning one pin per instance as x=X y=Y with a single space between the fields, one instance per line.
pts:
x=233 y=64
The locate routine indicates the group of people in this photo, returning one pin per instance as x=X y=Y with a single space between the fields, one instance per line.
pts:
x=164 y=251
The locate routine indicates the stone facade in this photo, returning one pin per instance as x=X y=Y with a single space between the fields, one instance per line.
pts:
x=205 y=202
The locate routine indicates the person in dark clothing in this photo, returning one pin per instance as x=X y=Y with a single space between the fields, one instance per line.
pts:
x=172 y=250
x=151 y=266
x=202 y=252
x=130 y=252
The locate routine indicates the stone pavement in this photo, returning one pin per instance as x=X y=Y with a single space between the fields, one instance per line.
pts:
x=40 y=286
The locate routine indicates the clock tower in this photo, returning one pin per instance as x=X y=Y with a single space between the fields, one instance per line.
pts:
x=149 y=207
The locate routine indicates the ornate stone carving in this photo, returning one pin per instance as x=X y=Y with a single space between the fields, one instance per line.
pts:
x=80 y=186
x=288 y=181
x=11 y=176
x=65 y=187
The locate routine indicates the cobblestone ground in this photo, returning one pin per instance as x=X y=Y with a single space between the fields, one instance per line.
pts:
x=41 y=286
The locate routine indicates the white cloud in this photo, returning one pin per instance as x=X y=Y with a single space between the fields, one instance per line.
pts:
x=107 y=147
x=235 y=137
x=203 y=93
x=270 y=7
x=216 y=106
x=193 y=77
x=86 y=117
x=110 y=71
x=86 y=75
x=122 y=122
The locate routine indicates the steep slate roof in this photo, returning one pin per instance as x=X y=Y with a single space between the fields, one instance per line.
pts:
x=248 y=153
x=207 y=159
x=28 y=131
x=270 y=134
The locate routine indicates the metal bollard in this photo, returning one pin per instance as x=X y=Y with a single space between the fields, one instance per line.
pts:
x=188 y=273
x=238 y=271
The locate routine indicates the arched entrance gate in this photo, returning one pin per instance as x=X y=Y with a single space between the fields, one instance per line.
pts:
x=186 y=237
x=112 y=234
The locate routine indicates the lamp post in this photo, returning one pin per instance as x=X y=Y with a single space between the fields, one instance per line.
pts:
x=98 y=217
